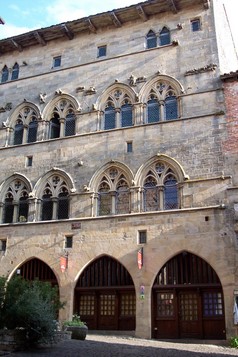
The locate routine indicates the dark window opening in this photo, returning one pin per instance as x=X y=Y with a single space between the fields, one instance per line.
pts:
x=55 y=127
x=164 y=37
x=142 y=237
x=5 y=74
x=151 y=39
x=47 y=208
x=126 y=115
x=57 y=61
x=102 y=51
x=68 y=242
x=153 y=111
x=29 y=160
x=3 y=245
x=171 y=108
x=70 y=124
x=8 y=210
x=15 y=71
x=196 y=25
x=110 y=118
x=32 y=131
x=18 y=133
x=129 y=146
x=63 y=206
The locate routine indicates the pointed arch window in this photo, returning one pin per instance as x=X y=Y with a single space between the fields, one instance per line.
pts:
x=122 y=196
x=15 y=71
x=55 y=199
x=153 y=110
x=16 y=202
x=18 y=132
x=164 y=37
x=5 y=74
x=171 y=108
x=160 y=188
x=126 y=114
x=151 y=39
x=104 y=198
x=55 y=127
x=110 y=117
x=32 y=130
x=70 y=124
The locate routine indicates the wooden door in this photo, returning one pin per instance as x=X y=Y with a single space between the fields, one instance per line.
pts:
x=190 y=315
x=108 y=312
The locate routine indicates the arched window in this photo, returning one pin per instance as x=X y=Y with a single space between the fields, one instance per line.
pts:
x=153 y=109
x=170 y=192
x=151 y=39
x=5 y=74
x=16 y=203
x=122 y=196
x=110 y=117
x=162 y=103
x=113 y=193
x=104 y=198
x=55 y=127
x=32 y=130
x=69 y=124
x=55 y=199
x=18 y=132
x=171 y=107
x=15 y=71
x=160 y=188
x=164 y=37
x=126 y=114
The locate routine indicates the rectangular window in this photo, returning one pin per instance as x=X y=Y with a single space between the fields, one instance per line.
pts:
x=142 y=237
x=102 y=51
x=195 y=25
x=3 y=245
x=57 y=61
x=68 y=242
x=129 y=146
x=29 y=161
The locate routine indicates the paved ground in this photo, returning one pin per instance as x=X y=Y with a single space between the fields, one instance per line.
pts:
x=118 y=346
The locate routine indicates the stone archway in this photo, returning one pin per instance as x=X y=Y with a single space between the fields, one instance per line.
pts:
x=187 y=300
x=104 y=296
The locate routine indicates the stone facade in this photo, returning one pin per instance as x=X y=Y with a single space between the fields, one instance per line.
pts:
x=195 y=146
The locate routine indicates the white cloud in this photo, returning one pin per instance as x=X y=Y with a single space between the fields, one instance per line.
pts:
x=61 y=11
x=9 y=30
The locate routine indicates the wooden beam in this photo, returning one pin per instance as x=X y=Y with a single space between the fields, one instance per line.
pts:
x=142 y=13
x=172 y=6
x=16 y=45
x=2 y=22
x=115 y=19
x=39 y=38
x=67 y=31
x=91 y=26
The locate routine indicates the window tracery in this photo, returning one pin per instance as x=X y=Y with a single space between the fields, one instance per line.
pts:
x=16 y=202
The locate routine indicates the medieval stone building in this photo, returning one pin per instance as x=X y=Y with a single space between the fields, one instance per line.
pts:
x=117 y=181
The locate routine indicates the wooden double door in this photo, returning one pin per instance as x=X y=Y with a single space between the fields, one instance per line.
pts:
x=189 y=313
x=107 y=309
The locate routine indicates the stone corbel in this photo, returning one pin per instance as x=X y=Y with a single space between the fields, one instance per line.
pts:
x=90 y=91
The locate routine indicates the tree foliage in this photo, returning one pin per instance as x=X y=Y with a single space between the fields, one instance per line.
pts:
x=31 y=305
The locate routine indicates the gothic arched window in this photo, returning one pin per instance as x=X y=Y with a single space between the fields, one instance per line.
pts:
x=18 y=132
x=164 y=37
x=160 y=188
x=55 y=127
x=16 y=202
x=151 y=39
x=55 y=199
x=5 y=74
x=15 y=71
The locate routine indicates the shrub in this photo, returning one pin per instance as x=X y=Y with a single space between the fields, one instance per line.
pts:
x=234 y=342
x=31 y=305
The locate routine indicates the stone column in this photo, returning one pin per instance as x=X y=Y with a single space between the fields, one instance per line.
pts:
x=15 y=212
x=55 y=204
x=1 y=212
x=161 y=109
x=62 y=127
x=113 y=202
x=32 y=202
x=25 y=134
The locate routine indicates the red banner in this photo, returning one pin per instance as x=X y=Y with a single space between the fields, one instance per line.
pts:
x=63 y=263
x=140 y=258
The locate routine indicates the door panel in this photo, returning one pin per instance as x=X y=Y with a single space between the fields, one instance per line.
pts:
x=189 y=315
x=107 y=318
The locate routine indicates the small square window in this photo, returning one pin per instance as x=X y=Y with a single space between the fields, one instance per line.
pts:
x=142 y=237
x=196 y=25
x=57 y=61
x=69 y=242
x=3 y=245
x=29 y=161
x=102 y=51
x=129 y=146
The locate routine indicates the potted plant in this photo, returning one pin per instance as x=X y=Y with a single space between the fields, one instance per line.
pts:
x=77 y=327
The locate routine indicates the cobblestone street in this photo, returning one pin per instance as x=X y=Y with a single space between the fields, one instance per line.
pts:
x=118 y=346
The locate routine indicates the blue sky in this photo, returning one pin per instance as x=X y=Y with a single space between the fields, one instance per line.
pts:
x=25 y=15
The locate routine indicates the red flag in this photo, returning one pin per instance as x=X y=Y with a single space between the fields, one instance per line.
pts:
x=140 y=258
